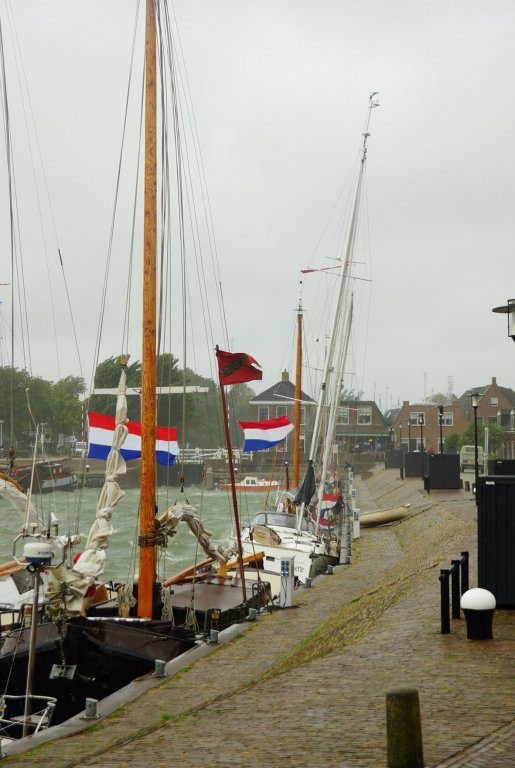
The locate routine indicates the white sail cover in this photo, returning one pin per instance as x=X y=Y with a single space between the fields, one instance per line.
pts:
x=67 y=587
x=18 y=499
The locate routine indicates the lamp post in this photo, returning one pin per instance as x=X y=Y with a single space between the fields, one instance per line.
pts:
x=409 y=434
x=508 y=309
x=474 y=399
x=440 y=422
x=400 y=437
x=1 y=433
x=421 y=424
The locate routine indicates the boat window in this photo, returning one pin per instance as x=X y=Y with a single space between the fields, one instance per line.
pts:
x=259 y=519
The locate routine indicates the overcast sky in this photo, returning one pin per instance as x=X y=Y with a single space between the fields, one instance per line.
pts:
x=280 y=91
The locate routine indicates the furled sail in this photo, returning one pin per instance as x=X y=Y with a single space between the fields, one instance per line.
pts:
x=67 y=587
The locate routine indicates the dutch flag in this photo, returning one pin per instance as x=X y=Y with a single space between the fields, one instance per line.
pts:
x=101 y=431
x=264 y=434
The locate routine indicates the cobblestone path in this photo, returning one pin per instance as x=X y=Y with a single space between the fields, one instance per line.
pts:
x=306 y=687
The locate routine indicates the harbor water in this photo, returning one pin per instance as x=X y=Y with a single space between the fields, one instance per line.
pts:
x=76 y=511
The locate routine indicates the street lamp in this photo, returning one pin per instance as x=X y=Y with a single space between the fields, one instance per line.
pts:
x=474 y=400
x=400 y=437
x=440 y=421
x=409 y=434
x=1 y=433
x=508 y=309
x=421 y=424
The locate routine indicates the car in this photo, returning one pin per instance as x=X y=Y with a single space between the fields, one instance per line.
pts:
x=468 y=458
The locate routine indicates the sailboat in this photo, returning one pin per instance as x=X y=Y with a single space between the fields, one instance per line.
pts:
x=83 y=642
x=304 y=536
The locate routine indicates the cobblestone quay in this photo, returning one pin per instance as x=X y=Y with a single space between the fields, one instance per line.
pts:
x=306 y=686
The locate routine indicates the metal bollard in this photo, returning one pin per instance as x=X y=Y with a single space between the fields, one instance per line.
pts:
x=253 y=614
x=445 y=621
x=464 y=572
x=329 y=570
x=213 y=637
x=403 y=729
x=90 y=710
x=455 y=586
x=308 y=582
x=159 y=668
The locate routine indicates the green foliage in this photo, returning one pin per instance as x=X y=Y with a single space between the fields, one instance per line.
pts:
x=441 y=399
x=59 y=407
x=495 y=437
x=452 y=442
x=107 y=375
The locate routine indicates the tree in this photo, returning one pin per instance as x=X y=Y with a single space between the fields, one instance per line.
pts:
x=67 y=415
x=452 y=442
x=25 y=402
x=107 y=375
x=441 y=399
x=495 y=437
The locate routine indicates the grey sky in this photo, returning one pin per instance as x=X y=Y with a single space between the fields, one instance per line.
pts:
x=280 y=91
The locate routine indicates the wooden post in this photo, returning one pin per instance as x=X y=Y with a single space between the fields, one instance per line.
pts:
x=147 y=558
x=298 y=390
x=403 y=729
x=233 y=488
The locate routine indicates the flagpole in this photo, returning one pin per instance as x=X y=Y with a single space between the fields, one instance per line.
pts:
x=233 y=486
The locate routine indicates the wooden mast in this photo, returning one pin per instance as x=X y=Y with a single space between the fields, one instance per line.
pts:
x=298 y=384
x=147 y=558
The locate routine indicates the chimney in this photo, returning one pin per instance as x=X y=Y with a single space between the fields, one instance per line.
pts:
x=494 y=379
x=405 y=402
x=285 y=376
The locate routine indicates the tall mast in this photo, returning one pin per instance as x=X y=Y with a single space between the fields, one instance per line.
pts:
x=147 y=558
x=340 y=301
x=298 y=390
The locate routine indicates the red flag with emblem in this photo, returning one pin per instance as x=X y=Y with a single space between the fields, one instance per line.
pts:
x=236 y=367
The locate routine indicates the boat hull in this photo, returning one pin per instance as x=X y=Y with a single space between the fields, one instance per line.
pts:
x=108 y=654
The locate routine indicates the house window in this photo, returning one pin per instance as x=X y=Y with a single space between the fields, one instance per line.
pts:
x=263 y=412
x=302 y=444
x=343 y=416
x=365 y=414
x=281 y=410
x=302 y=415
x=494 y=401
x=447 y=419
x=414 y=418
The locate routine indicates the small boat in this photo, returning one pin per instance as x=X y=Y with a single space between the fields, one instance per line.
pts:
x=49 y=476
x=253 y=484
x=384 y=516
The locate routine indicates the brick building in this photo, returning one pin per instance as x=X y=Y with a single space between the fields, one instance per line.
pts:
x=279 y=400
x=496 y=406
x=361 y=427
x=409 y=433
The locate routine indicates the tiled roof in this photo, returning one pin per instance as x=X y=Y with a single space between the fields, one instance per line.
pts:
x=464 y=400
x=283 y=390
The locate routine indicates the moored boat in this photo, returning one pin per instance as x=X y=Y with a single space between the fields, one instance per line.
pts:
x=252 y=484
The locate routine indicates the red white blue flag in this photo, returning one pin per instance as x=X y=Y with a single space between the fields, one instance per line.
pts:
x=264 y=434
x=101 y=431
x=330 y=503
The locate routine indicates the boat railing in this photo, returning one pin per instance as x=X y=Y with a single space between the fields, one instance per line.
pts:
x=18 y=617
x=42 y=708
x=200 y=455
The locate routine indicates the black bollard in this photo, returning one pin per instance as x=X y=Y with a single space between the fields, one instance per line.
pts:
x=478 y=606
x=403 y=729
